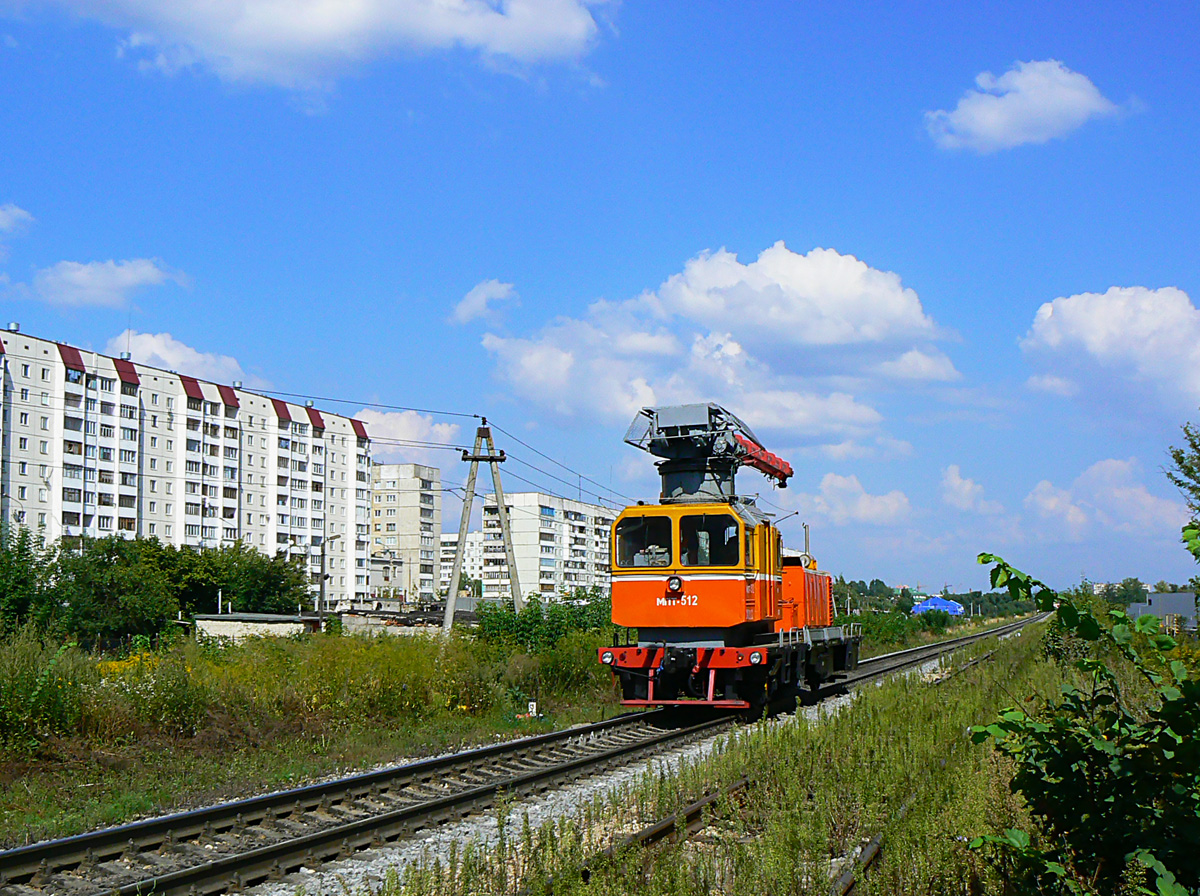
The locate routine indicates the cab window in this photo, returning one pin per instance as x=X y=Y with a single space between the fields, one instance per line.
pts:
x=643 y=541
x=709 y=540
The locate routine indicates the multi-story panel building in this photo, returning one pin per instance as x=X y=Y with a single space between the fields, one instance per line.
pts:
x=472 y=557
x=406 y=520
x=95 y=446
x=558 y=544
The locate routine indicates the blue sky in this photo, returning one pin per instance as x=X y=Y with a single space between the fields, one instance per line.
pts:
x=942 y=259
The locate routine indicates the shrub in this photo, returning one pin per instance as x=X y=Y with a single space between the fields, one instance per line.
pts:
x=1113 y=785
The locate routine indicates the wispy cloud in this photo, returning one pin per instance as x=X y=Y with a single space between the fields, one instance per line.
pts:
x=478 y=302
x=107 y=284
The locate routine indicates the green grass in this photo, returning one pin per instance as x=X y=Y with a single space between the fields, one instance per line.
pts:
x=820 y=787
x=90 y=742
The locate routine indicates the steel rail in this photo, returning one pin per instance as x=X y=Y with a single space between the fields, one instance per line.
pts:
x=48 y=857
x=889 y=662
x=344 y=840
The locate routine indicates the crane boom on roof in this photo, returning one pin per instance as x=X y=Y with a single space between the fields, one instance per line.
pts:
x=701 y=446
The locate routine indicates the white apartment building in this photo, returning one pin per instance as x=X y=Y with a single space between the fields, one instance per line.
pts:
x=406 y=519
x=94 y=446
x=472 y=557
x=559 y=545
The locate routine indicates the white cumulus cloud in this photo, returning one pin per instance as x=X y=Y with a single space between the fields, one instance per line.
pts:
x=778 y=340
x=301 y=43
x=965 y=494
x=106 y=284
x=476 y=303
x=165 y=351
x=1033 y=102
x=843 y=499
x=1107 y=496
x=408 y=436
x=1140 y=335
x=822 y=298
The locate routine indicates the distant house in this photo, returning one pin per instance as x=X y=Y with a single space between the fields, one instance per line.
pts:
x=953 y=607
x=1180 y=604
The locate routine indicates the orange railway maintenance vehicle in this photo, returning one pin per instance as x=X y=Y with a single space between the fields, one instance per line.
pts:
x=723 y=618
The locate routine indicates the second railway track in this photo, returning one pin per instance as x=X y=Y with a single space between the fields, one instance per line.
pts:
x=243 y=843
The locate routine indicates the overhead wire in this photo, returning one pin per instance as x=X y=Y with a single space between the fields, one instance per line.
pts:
x=368 y=404
x=575 y=472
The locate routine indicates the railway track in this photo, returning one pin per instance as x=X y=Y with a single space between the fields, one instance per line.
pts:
x=246 y=842
x=902 y=659
x=243 y=843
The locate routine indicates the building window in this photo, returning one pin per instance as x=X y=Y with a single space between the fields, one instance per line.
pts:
x=128 y=389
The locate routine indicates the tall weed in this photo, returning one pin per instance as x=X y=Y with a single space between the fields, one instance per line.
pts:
x=42 y=688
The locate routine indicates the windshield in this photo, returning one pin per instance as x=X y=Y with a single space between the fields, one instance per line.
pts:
x=708 y=540
x=644 y=541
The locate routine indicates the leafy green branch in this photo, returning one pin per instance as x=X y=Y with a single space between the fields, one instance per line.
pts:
x=1116 y=793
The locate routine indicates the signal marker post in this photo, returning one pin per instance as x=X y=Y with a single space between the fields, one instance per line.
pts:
x=482 y=435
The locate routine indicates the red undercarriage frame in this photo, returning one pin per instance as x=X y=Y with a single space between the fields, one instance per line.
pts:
x=710 y=659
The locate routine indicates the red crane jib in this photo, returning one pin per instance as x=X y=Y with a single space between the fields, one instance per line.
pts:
x=763 y=460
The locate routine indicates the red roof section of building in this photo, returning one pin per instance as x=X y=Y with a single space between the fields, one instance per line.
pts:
x=191 y=387
x=281 y=409
x=126 y=371
x=315 y=418
x=360 y=428
x=70 y=357
x=228 y=396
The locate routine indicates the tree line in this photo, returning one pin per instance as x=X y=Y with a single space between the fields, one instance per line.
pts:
x=878 y=595
x=102 y=590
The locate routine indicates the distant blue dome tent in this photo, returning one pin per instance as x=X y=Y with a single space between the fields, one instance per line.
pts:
x=953 y=607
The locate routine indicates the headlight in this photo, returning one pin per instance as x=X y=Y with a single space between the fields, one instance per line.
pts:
x=674 y=583
x=755 y=658
x=607 y=657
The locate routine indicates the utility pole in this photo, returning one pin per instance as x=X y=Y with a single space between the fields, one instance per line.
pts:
x=321 y=598
x=483 y=435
